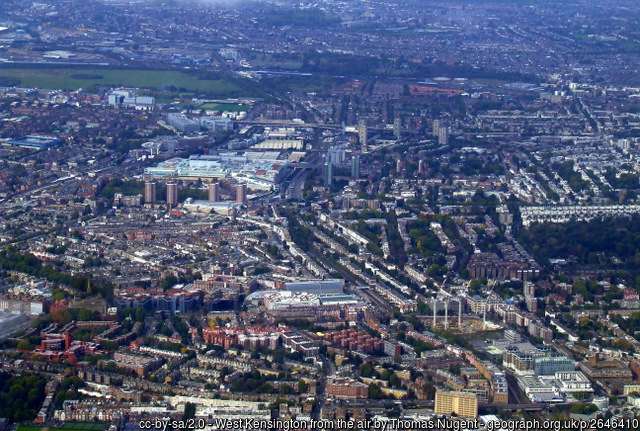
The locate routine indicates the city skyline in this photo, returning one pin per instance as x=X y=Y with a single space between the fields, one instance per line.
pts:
x=324 y=215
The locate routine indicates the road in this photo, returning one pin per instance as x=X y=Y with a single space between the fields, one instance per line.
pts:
x=296 y=185
x=302 y=125
x=296 y=182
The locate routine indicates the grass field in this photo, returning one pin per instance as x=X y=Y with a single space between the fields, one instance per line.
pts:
x=228 y=107
x=489 y=81
x=68 y=426
x=73 y=79
x=302 y=84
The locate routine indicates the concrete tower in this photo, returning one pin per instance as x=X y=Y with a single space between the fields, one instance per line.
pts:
x=355 y=166
x=241 y=194
x=436 y=127
x=149 y=192
x=172 y=194
x=214 y=192
x=328 y=174
x=362 y=132
x=397 y=127
x=443 y=135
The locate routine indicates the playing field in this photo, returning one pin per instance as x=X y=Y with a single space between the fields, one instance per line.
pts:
x=230 y=107
x=73 y=79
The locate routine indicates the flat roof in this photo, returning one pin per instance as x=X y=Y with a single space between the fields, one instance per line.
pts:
x=34 y=141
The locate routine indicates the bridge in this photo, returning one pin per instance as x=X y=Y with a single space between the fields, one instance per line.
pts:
x=513 y=407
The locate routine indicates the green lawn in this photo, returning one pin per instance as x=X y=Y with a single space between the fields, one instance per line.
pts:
x=229 y=107
x=73 y=79
x=84 y=426
x=275 y=63
x=489 y=81
x=302 y=83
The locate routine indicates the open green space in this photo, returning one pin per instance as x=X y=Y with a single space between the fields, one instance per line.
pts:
x=302 y=83
x=275 y=61
x=489 y=81
x=75 y=78
x=225 y=107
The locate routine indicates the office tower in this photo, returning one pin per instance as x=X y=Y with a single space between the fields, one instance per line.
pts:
x=362 y=132
x=172 y=194
x=436 y=127
x=214 y=192
x=399 y=166
x=149 y=192
x=420 y=166
x=355 y=166
x=443 y=135
x=241 y=194
x=328 y=174
x=397 y=127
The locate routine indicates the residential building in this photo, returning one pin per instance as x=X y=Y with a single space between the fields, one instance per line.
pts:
x=172 y=194
x=461 y=403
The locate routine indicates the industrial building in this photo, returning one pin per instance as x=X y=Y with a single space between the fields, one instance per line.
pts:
x=129 y=98
x=569 y=382
x=216 y=124
x=259 y=170
x=553 y=364
x=33 y=141
x=319 y=287
x=183 y=124
x=200 y=206
x=539 y=391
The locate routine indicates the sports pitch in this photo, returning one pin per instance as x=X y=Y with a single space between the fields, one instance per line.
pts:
x=75 y=78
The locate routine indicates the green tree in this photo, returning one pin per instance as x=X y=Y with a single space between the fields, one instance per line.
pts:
x=375 y=392
x=189 y=411
x=25 y=345
x=168 y=282
x=395 y=381
x=302 y=386
x=21 y=396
